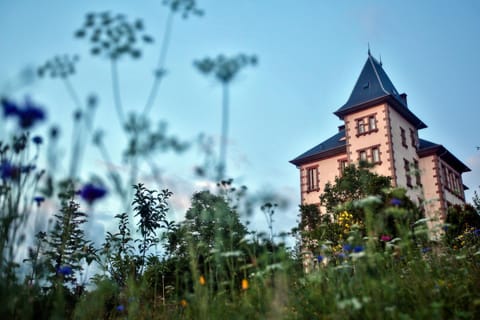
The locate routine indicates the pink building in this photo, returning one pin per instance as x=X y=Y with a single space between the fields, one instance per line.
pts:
x=380 y=128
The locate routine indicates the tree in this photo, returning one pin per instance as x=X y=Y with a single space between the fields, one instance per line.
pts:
x=208 y=242
x=354 y=183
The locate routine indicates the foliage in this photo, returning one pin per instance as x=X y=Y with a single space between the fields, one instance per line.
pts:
x=151 y=208
x=462 y=227
x=357 y=198
x=354 y=183
x=369 y=256
x=65 y=248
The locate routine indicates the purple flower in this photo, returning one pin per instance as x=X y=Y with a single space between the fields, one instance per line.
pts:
x=426 y=249
x=347 y=247
x=39 y=200
x=319 y=258
x=37 y=140
x=358 y=249
x=8 y=170
x=120 y=308
x=28 y=116
x=396 y=202
x=342 y=255
x=476 y=232
x=91 y=193
x=65 y=270
x=385 y=238
x=9 y=108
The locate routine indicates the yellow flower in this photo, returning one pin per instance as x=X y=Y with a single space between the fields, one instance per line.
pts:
x=244 y=284
x=183 y=303
x=202 y=280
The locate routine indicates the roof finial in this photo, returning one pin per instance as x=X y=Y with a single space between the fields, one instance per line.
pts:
x=368 y=43
x=381 y=64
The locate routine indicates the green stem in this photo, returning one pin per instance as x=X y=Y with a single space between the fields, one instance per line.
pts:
x=116 y=93
x=158 y=76
x=222 y=166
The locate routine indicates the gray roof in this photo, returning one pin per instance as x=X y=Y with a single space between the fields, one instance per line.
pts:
x=329 y=147
x=374 y=86
x=427 y=148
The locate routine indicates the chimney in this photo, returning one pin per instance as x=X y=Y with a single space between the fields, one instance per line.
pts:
x=404 y=98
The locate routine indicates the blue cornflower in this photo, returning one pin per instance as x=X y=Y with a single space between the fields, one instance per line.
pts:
x=120 y=308
x=91 y=193
x=358 y=249
x=9 y=108
x=342 y=255
x=29 y=115
x=396 y=202
x=319 y=258
x=347 y=247
x=65 y=270
x=37 y=140
x=8 y=170
x=426 y=249
x=38 y=200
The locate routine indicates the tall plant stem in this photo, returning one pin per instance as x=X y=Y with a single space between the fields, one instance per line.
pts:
x=160 y=64
x=222 y=166
x=77 y=130
x=72 y=93
x=116 y=93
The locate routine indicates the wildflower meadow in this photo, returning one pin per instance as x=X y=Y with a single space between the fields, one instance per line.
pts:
x=369 y=256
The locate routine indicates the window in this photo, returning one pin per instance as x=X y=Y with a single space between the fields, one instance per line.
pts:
x=417 y=173
x=375 y=155
x=366 y=125
x=404 y=138
x=372 y=123
x=360 y=126
x=407 y=172
x=362 y=155
x=342 y=165
x=312 y=179
x=413 y=138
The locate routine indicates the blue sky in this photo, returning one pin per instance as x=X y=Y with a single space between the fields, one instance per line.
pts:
x=310 y=55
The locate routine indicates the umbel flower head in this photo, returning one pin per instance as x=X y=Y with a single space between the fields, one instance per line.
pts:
x=91 y=193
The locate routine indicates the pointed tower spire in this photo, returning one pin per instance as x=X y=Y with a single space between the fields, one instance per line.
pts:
x=372 y=87
x=368 y=44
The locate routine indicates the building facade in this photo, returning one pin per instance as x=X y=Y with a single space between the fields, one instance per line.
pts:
x=379 y=127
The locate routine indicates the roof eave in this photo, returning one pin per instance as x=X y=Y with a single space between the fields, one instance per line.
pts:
x=403 y=110
x=446 y=155
x=319 y=156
